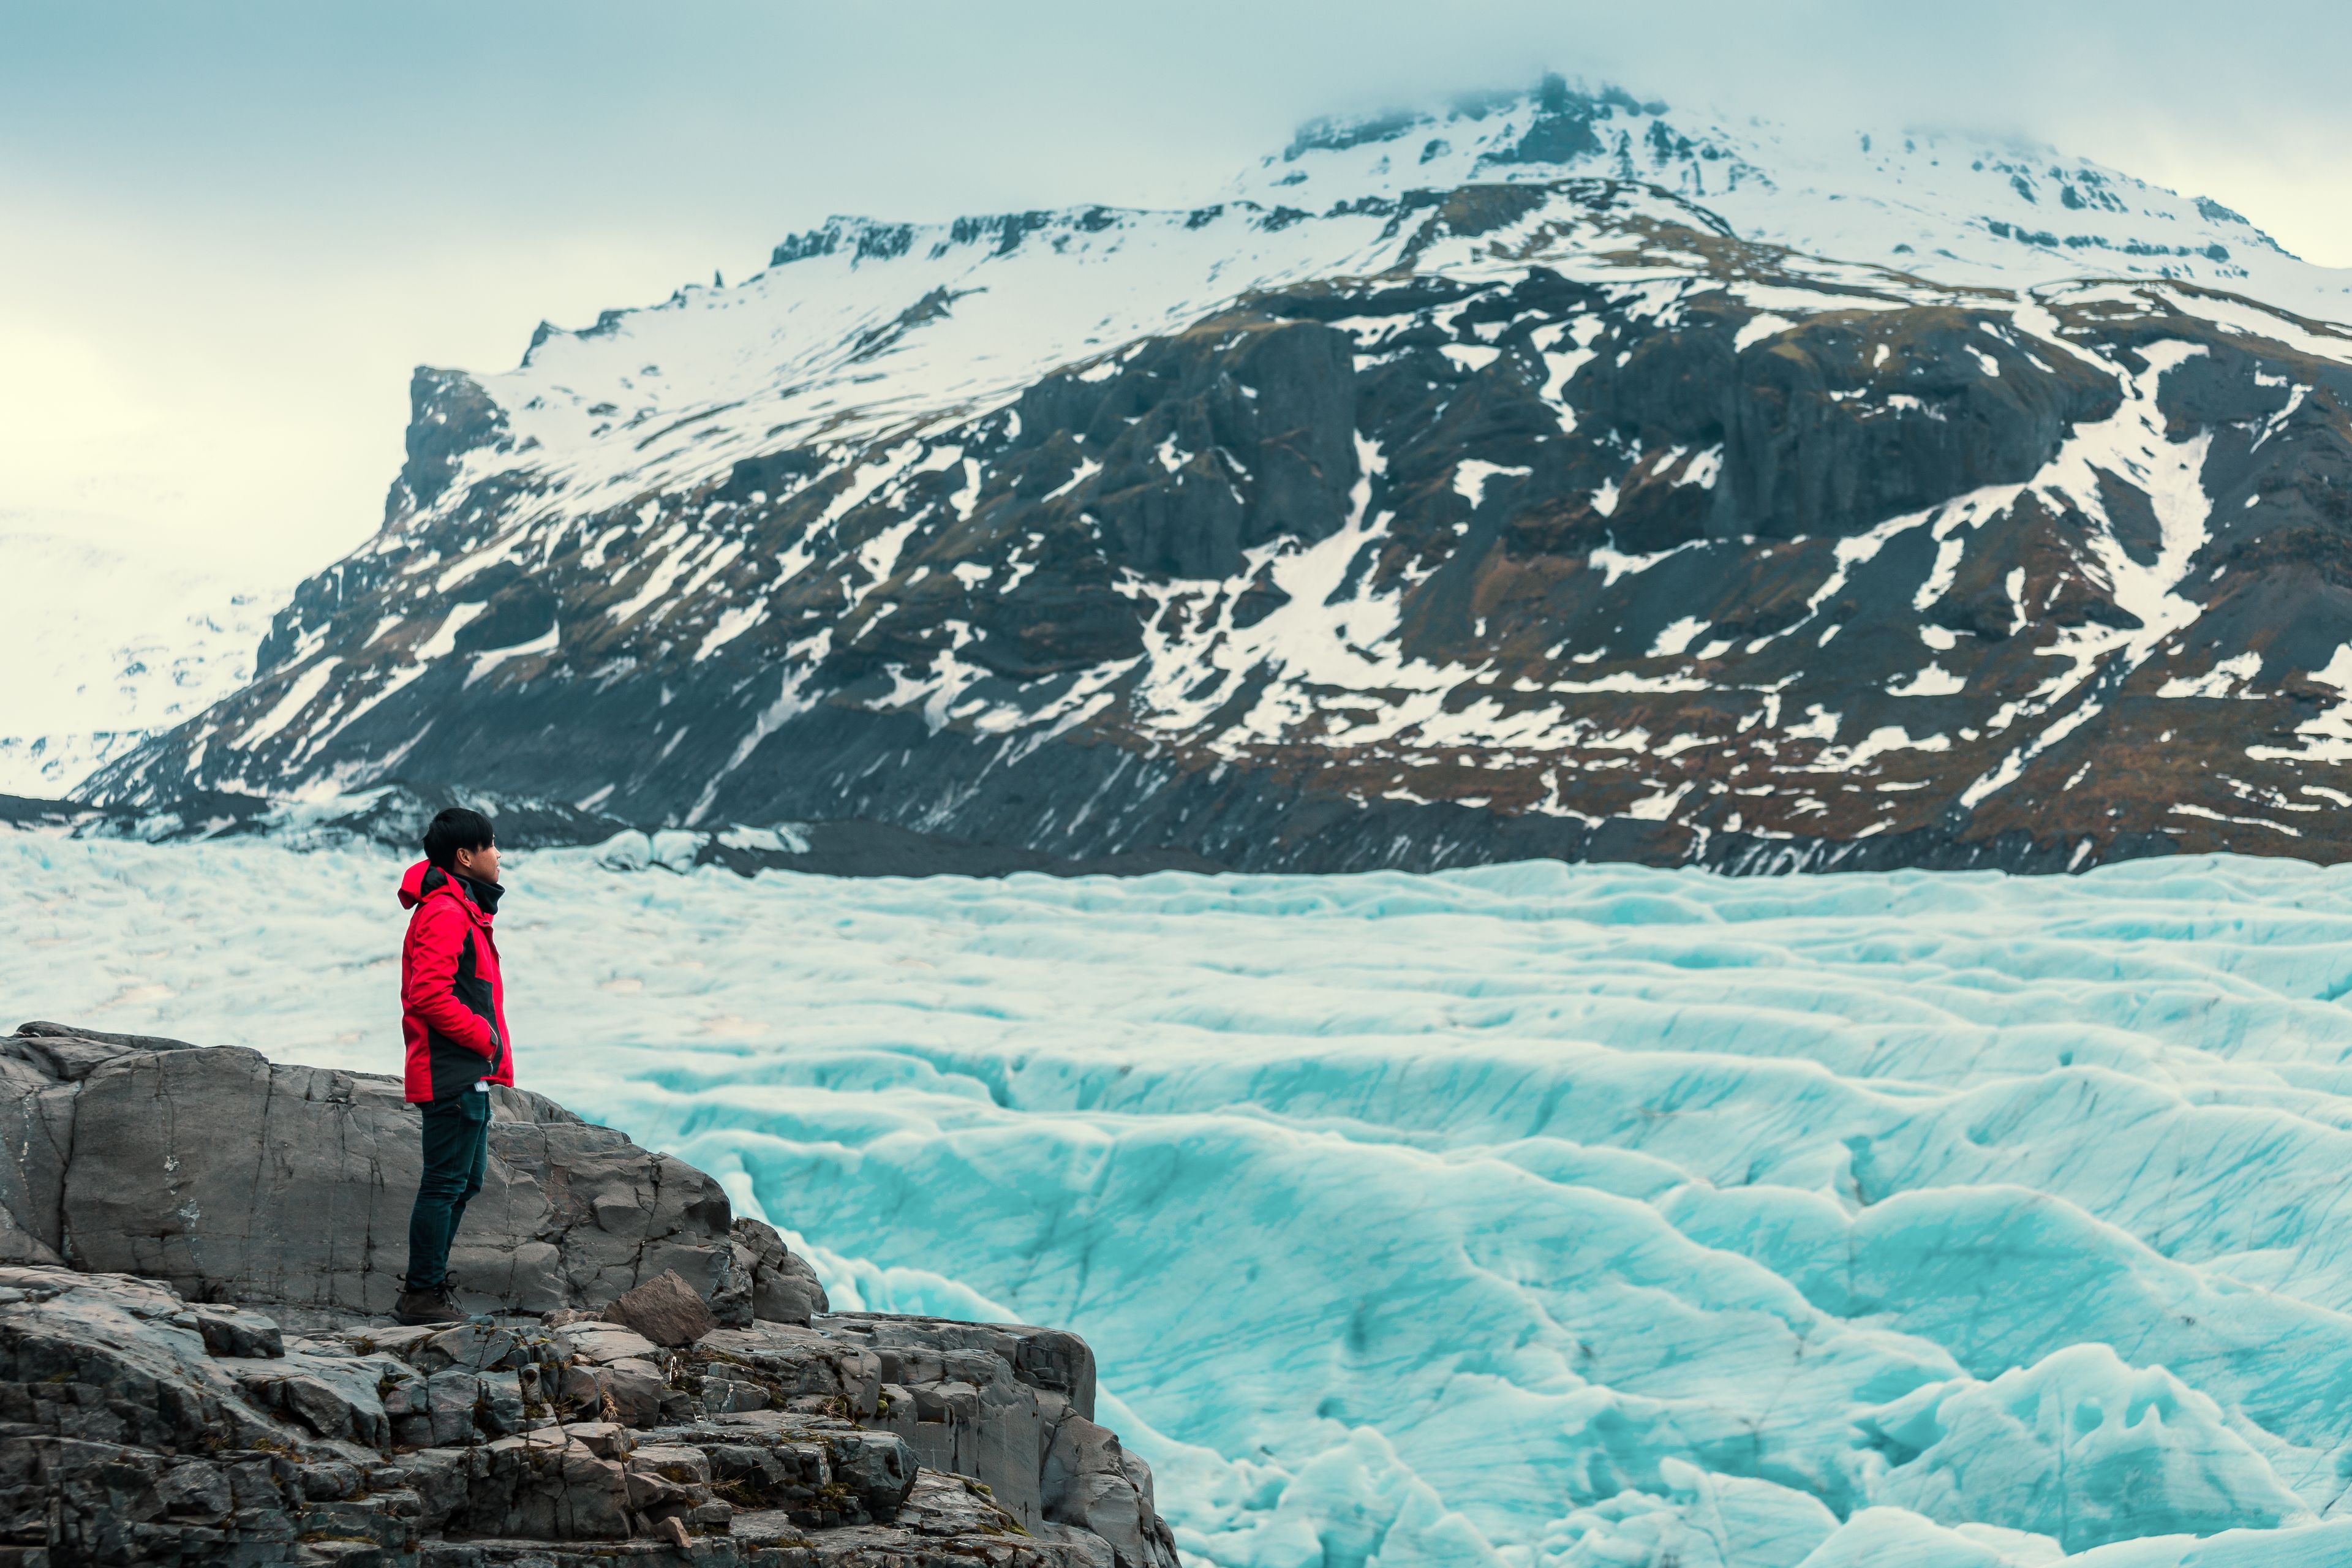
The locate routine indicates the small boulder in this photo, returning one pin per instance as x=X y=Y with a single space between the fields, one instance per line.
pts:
x=541 y=1486
x=439 y=1478
x=665 y=1309
x=327 y=1482
x=679 y=1463
x=785 y=1289
x=877 y=1468
x=335 y=1396
x=400 y=1341
x=649 y=1493
x=1091 y=1481
x=726 y=1395
x=634 y=1390
x=502 y=1409
x=605 y=1439
x=600 y=1343
x=577 y=1387
x=475 y=1347
x=234 y=1332
x=402 y=1388
x=194 y=1489
x=451 y=1395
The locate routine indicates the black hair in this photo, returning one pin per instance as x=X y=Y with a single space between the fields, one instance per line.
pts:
x=454 y=829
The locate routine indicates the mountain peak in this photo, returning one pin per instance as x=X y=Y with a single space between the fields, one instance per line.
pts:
x=1961 y=208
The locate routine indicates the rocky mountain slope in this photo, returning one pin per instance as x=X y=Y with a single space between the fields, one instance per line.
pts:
x=1553 y=476
x=196 y=1249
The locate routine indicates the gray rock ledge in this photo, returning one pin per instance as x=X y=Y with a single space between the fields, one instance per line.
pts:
x=198 y=1250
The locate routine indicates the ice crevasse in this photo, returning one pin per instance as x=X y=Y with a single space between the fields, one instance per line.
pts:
x=1533 y=1214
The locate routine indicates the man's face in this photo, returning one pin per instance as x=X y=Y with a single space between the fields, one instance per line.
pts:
x=482 y=865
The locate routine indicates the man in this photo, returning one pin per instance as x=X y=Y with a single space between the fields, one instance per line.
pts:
x=453 y=1016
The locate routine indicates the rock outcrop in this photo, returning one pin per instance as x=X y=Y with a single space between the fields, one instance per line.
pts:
x=195 y=1367
x=237 y=1179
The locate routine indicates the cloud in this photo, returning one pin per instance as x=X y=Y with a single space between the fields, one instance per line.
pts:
x=693 y=109
x=253 y=217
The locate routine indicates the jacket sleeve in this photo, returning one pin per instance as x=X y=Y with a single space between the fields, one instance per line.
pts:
x=436 y=939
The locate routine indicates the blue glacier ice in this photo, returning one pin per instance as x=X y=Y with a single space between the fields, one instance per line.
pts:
x=1533 y=1214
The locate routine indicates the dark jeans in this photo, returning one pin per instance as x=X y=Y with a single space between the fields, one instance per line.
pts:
x=456 y=1152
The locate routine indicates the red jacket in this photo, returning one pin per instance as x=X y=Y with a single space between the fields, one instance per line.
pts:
x=453 y=1003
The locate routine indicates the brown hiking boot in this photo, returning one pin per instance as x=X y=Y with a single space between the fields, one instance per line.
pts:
x=426 y=1307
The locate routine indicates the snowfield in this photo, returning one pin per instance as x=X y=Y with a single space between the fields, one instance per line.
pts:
x=1532 y=1215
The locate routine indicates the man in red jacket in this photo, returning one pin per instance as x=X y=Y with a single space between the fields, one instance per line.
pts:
x=453 y=1015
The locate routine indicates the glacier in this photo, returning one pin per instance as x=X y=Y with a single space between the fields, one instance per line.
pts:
x=1532 y=1215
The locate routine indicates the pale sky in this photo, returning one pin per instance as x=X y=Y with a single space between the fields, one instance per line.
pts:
x=233 y=227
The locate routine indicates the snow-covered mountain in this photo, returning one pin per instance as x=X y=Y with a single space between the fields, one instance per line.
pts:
x=154 y=640
x=1557 y=475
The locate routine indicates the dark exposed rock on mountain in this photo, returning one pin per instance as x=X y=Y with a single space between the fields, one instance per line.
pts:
x=1546 y=512
x=190 y=1370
